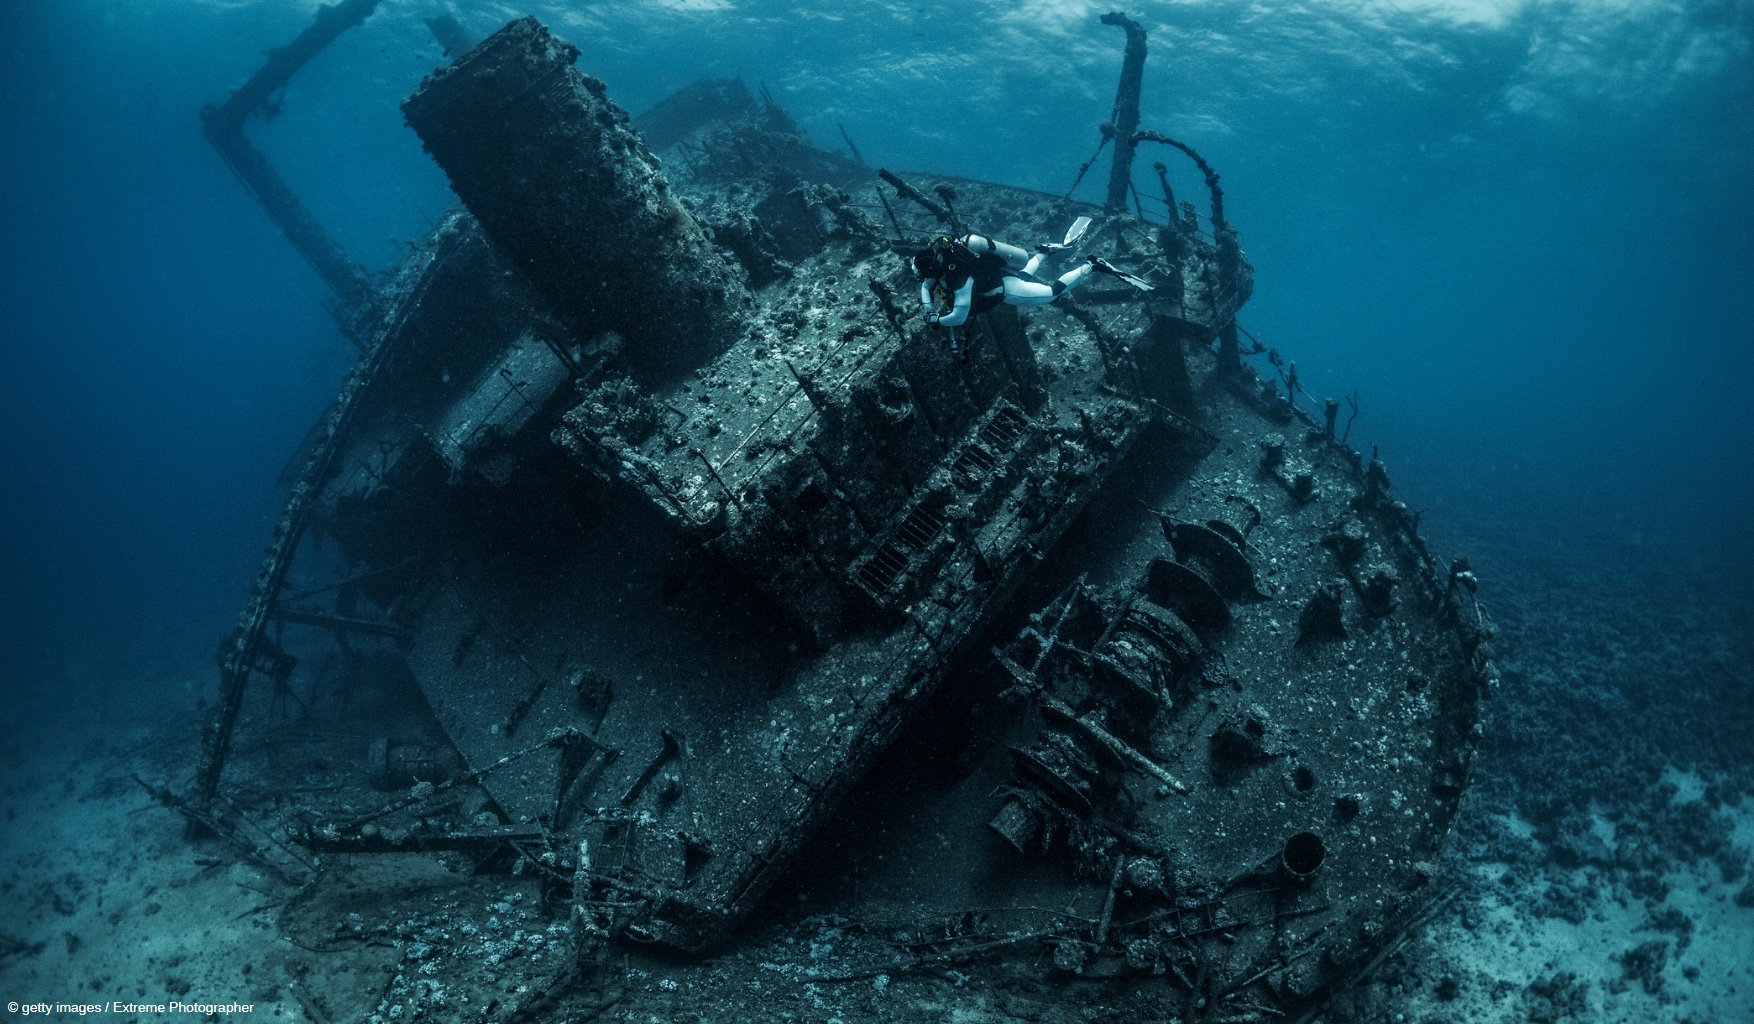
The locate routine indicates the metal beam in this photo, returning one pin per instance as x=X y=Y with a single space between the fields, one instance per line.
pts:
x=223 y=124
x=240 y=654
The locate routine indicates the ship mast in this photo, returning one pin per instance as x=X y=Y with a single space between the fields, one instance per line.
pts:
x=1125 y=119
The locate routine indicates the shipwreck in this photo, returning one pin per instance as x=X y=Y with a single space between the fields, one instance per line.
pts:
x=656 y=500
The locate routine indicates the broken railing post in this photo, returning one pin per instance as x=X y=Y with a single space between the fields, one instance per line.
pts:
x=1229 y=257
x=1168 y=193
x=851 y=146
x=567 y=190
x=1126 y=112
x=223 y=124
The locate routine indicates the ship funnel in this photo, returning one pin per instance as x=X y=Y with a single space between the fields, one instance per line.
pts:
x=567 y=191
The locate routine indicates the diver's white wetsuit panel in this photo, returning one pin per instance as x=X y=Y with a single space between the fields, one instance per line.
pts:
x=1019 y=292
x=961 y=302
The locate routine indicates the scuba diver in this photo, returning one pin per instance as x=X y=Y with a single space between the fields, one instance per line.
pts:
x=964 y=277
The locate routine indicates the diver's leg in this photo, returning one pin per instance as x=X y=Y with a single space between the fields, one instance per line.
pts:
x=1034 y=262
x=1019 y=292
x=1072 y=278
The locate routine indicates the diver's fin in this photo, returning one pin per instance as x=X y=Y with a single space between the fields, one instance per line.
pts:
x=1073 y=233
x=1100 y=264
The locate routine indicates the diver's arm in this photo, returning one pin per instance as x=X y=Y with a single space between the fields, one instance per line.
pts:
x=958 y=314
x=926 y=302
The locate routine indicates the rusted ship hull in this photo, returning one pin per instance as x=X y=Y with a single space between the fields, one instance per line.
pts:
x=676 y=513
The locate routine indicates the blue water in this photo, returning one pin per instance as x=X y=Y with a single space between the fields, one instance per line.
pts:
x=1523 y=231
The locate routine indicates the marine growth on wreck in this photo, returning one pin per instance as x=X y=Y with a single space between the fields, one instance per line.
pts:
x=660 y=513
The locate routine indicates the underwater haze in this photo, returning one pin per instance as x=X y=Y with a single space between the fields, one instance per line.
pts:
x=1519 y=233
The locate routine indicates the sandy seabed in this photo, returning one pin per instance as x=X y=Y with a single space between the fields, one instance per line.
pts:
x=1600 y=870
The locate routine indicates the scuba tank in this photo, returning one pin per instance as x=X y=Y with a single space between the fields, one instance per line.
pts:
x=980 y=246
